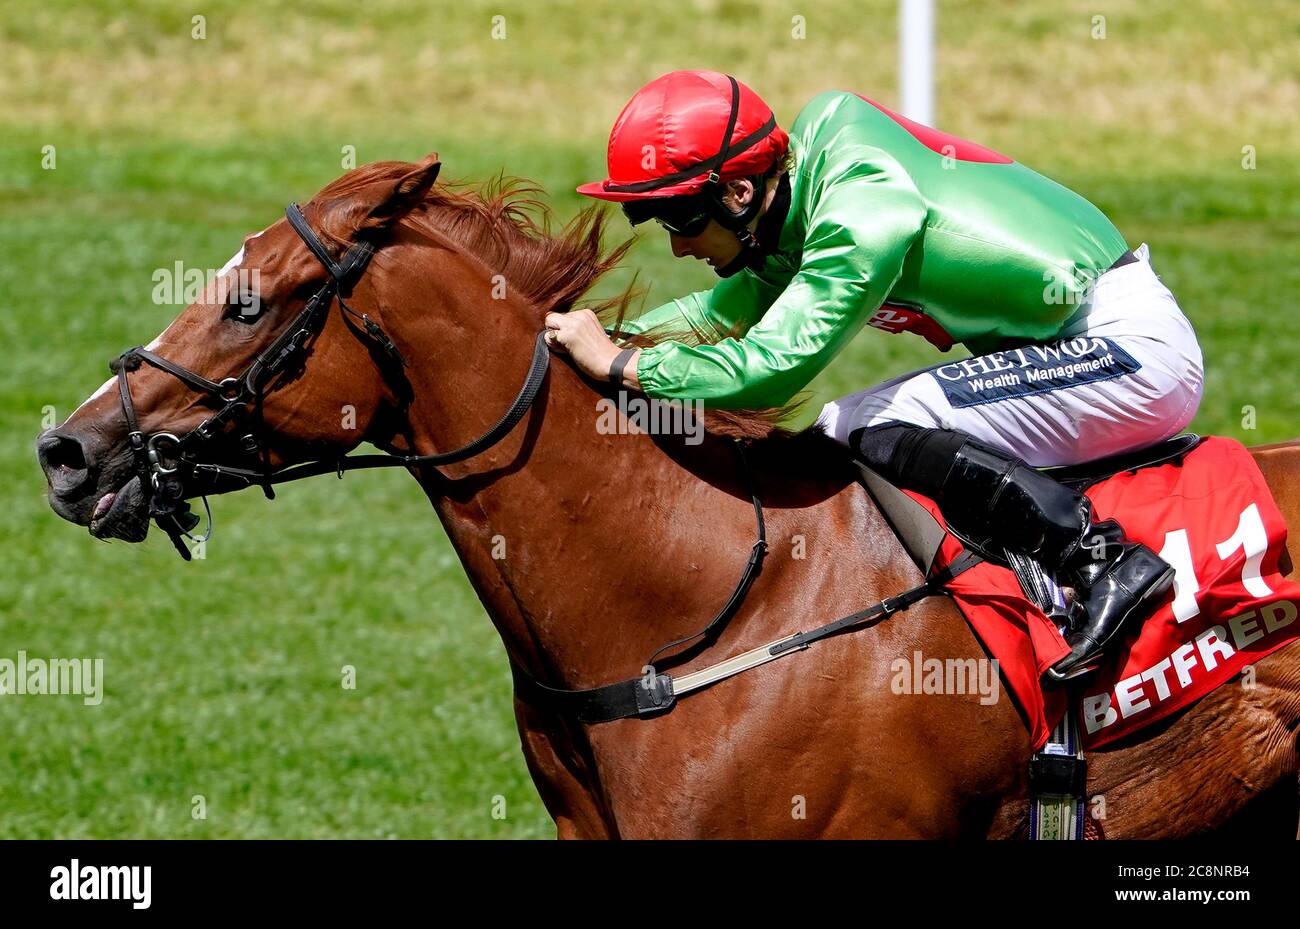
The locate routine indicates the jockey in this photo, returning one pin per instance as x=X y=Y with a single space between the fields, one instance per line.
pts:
x=862 y=217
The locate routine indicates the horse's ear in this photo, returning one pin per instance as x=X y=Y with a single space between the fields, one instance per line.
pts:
x=402 y=194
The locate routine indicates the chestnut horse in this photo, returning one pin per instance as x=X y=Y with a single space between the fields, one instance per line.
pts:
x=618 y=543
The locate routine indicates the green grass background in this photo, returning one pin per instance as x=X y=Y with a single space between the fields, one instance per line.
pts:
x=223 y=676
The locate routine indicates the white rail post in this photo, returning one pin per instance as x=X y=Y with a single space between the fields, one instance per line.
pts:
x=916 y=59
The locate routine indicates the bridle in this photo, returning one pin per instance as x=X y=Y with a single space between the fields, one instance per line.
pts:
x=169 y=466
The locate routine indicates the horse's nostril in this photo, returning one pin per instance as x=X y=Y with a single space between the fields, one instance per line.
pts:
x=62 y=459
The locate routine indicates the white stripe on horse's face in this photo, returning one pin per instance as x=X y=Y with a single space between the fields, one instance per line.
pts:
x=235 y=261
x=97 y=394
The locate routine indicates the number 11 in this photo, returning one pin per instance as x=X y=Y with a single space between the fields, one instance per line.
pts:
x=1249 y=536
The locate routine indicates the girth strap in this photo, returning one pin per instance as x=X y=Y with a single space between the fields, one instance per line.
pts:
x=654 y=693
x=640 y=696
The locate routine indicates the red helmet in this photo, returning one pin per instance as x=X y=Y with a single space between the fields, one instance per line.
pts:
x=685 y=130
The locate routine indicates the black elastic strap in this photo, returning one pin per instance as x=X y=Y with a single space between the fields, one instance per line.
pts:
x=699 y=168
x=618 y=364
x=720 y=159
x=1062 y=775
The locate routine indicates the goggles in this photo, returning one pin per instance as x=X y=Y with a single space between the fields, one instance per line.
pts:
x=684 y=216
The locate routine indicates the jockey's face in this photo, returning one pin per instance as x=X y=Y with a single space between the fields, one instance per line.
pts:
x=716 y=244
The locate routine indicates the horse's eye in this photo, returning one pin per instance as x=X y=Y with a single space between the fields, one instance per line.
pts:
x=243 y=308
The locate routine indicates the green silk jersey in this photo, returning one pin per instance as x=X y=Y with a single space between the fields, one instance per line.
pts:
x=891 y=223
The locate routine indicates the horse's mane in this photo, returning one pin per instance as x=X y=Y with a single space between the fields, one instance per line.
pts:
x=505 y=225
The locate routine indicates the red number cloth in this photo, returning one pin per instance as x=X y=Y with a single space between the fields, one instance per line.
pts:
x=1213 y=506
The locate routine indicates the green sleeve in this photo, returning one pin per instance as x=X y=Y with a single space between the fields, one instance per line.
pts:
x=865 y=214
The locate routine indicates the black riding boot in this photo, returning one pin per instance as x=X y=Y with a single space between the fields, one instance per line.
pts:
x=1114 y=577
x=997 y=502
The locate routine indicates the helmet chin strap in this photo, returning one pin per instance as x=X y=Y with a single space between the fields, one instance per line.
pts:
x=752 y=251
x=738 y=223
x=750 y=255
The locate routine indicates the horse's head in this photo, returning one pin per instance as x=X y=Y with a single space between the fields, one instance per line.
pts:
x=223 y=384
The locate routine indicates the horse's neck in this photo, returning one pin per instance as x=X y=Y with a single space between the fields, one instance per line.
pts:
x=562 y=530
